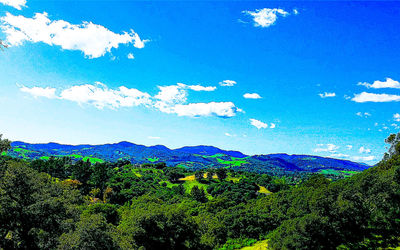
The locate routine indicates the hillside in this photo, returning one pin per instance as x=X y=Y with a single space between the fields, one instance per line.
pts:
x=192 y=158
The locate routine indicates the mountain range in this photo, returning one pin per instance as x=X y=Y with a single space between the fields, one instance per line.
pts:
x=191 y=157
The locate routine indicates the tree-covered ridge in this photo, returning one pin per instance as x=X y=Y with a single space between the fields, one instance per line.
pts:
x=60 y=203
x=192 y=158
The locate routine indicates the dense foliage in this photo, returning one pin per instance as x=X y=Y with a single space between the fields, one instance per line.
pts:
x=58 y=203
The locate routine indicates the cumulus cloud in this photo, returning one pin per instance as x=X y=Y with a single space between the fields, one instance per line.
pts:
x=326 y=94
x=92 y=39
x=266 y=17
x=39 y=92
x=228 y=83
x=273 y=125
x=371 y=97
x=258 y=124
x=18 y=4
x=388 y=83
x=396 y=117
x=130 y=56
x=252 y=96
x=170 y=99
x=98 y=95
x=364 y=150
x=331 y=148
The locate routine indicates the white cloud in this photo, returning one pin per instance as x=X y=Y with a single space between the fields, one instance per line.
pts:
x=272 y=125
x=371 y=97
x=173 y=94
x=154 y=137
x=14 y=3
x=39 y=92
x=365 y=114
x=220 y=109
x=295 y=11
x=230 y=135
x=258 y=124
x=363 y=158
x=252 y=96
x=98 y=95
x=396 y=117
x=388 y=83
x=130 y=56
x=326 y=94
x=170 y=99
x=265 y=17
x=339 y=155
x=92 y=39
x=228 y=83
x=331 y=148
x=349 y=147
x=364 y=150
x=201 y=88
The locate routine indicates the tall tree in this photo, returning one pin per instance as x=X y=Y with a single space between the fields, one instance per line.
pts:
x=5 y=144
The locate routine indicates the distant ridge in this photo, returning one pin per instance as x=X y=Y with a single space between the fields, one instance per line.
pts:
x=191 y=157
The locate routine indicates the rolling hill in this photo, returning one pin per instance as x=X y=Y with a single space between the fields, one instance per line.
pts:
x=195 y=157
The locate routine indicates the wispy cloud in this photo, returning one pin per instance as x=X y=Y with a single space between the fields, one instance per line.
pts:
x=371 y=97
x=364 y=150
x=326 y=94
x=92 y=39
x=252 y=96
x=363 y=158
x=39 y=91
x=18 y=4
x=266 y=17
x=331 y=148
x=220 y=109
x=365 y=114
x=388 y=83
x=228 y=83
x=201 y=88
x=230 y=135
x=396 y=117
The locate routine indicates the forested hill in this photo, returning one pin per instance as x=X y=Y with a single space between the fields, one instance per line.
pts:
x=192 y=158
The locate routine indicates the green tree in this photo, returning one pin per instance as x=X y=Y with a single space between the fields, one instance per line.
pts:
x=91 y=232
x=198 y=194
x=5 y=144
x=221 y=173
x=34 y=210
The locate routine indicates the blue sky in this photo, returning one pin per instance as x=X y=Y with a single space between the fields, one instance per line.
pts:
x=260 y=77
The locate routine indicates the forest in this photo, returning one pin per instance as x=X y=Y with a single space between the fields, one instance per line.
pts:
x=58 y=203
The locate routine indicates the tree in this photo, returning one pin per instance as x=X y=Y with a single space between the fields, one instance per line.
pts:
x=198 y=194
x=210 y=175
x=199 y=175
x=34 y=210
x=91 y=232
x=221 y=173
x=5 y=144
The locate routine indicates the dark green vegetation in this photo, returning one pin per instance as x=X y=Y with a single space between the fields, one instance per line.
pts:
x=192 y=158
x=66 y=203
